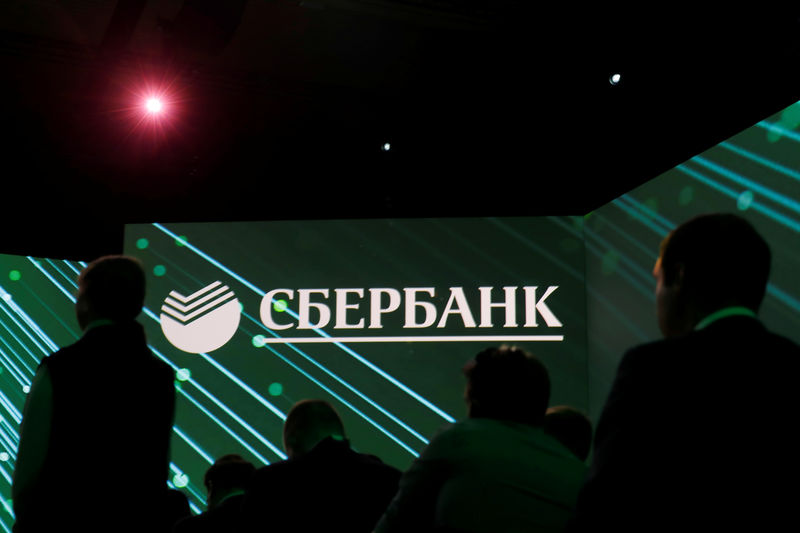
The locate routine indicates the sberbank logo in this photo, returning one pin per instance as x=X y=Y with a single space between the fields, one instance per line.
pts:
x=207 y=319
x=203 y=321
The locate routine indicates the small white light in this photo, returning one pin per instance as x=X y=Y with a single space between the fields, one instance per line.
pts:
x=26 y=389
x=614 y=79
x=386 y=147
x=154 y=105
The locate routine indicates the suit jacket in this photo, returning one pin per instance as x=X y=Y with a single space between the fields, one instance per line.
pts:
x=107 y=455
x=698 y=431
x=331 y=488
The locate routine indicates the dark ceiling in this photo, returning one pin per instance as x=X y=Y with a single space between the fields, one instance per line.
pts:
x=278 y=109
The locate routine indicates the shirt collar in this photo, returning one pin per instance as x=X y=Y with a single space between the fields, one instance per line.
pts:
x=724 y=313
x=97 y=323
x=231 y=494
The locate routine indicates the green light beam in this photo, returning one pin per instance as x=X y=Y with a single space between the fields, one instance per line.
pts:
x=66 y=277
x=15 y=373
x=193 y=445
x=343 y=382
x=224 y=407
x=31 y=324
x=772 y=165
x=13 y=411
x=25 y=331
x=749 y=184
x=756 y=206
x=343 y=401
x=224 y=426
x=50 y=277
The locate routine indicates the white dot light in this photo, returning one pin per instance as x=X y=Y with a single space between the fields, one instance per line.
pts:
x=154 y=105
x=26 y=389
x=614 y=79
x=386 y=147
x=4 y=456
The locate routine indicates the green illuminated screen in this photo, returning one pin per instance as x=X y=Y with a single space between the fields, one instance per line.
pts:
x=207 y=284
x=376 y=316
x=408 y=303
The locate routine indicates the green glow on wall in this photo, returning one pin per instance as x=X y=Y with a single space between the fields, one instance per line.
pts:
x=275 y=389
x=686 y=195
x=142 y=243
x=181 y=240
x=180 y=480
x=610 y=261
x=159 y=270
x=280 y=306
x=570 y=245
x=183 y=374
x=14 y=275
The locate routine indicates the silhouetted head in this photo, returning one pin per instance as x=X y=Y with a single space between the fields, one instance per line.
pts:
x=706 y=264
x=228 y=475
x=111 y=287
x=570 y=427
x=309 y=422
x=507 y=383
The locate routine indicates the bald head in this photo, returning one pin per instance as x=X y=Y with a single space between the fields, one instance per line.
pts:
x=309 y=422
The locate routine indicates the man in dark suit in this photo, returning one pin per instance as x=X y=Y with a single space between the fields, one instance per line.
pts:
x=94 y=446
x=324 y=485
x=697 y=432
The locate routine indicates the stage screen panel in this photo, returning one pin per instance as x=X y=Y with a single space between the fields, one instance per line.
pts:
x=37 y=316
x=377 y=317
x=754 y=174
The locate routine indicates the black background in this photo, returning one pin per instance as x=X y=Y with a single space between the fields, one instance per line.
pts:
x=492 y=108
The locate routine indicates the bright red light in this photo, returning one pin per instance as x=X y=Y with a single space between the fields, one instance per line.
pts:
x=152 y=106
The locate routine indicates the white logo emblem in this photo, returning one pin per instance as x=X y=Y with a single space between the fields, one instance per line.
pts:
x=202 y=321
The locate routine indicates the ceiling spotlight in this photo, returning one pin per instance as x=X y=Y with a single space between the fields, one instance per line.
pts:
x=154 y=105
x=614 y=79
x=386 y=147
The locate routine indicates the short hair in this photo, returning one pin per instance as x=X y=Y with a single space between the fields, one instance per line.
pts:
x=308 y=422
x=724 y=260
x=507 y=383
x=114 y=287
x=228 y=472
x=570 y=427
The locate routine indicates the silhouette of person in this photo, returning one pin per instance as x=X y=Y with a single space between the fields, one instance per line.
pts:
x=94 y=444
x=571 y=427
x=176 y=508
x=324 y=485
x=497 y=471
x=225 y=482
x=695 y=433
